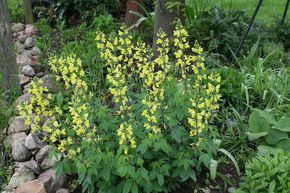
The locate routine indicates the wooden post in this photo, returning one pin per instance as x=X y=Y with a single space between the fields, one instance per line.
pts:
x=8 y=66
x=28 y=11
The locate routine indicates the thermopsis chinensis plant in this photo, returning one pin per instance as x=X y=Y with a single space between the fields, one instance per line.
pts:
x=149 y=132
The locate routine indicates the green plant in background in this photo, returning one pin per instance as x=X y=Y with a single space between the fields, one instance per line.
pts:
x=149 y=133
x=263 y=126
x=268 y=171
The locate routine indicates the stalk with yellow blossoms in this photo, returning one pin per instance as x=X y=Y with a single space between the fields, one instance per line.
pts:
x=117 y=53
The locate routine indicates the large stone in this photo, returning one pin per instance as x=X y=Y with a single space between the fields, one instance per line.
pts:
x=28 y=71
x=22 y=37
x=31 y=164
x=30 y=30
x=37 y=67
x=20 y=152
x=17 y=27
x=62 y=190
x=29 y=43
x=19 y=47
x=36 y=51
x=32 y=142
x=21 y=176
x=24 y=80
x=42 y=154
x=18 y=137
x=52 y=182
x=18 y=125
x=35 y=186
x=49 y=83
x=49 y=162
x=23 y=60
x=23 y=98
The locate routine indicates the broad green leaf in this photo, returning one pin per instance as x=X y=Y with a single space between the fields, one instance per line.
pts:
x=134 y=188
x=284 y=144
x=284 y=124
x=160 y=179
x=127 y=186
x=267 y=116
x=274 y=136
x=254 y=136
x=257 y=124
x=272 y=186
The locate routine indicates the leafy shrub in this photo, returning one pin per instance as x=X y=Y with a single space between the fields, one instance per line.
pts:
x=146 y=130
x=263 y=126
x=268 y=171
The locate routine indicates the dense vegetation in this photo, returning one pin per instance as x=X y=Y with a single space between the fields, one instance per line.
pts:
x=195 y=116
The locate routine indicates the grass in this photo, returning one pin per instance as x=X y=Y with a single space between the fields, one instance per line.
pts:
x=270 y=9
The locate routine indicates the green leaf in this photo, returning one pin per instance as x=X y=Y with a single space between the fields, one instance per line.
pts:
x=267 y=116
x=213 y=168
x=160 y=179
x=274 y=136
x=127 y=186
x=134 y=188
x=254 y=136
x=284 y=144
x=227 y=153
x=257 y=124
x=272 y=186
x=284 y=124
x=59 y=98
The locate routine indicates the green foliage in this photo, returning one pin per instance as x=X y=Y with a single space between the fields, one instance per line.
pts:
x=263 y=126
x=268 y=171
x=85 y=10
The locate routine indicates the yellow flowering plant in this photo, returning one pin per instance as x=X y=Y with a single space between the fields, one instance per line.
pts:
x=150 y=131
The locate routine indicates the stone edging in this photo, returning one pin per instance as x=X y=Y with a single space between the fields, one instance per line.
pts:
x=33 y=169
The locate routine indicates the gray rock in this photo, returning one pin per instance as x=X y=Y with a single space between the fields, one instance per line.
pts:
x=17 y=27
x=42 y=154
x=28 y=71
x=21 y=176
x=49 y=82
x=18 y=125
x=23 y=60
x=20 y=152
x=30 y=30
x=31 y=164
x=32 y=142
x=36 y=51
x=52 y=182
x=49 y=162
x=62 y=190
x=35 y=186
x=40 y=74
x=19 y=47
x=23 y=98
x=29 y=43
x=22 y=37
x=21 y=136
x=24 y=80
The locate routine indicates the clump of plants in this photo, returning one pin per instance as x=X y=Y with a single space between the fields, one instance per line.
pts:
x=268 y=171
x=147 y=131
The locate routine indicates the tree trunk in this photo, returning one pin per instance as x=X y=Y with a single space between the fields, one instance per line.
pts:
x=28 y=11
x=164 y=20
x=132 y=6
x=8 y=66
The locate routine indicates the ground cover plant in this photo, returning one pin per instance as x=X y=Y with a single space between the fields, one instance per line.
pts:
x=191 y=118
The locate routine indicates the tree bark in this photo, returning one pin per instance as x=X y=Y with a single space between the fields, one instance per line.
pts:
x=8 y=64
x=28 y=11
x=164 y=20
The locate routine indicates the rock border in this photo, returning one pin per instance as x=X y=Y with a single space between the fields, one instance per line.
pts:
x=33 y=168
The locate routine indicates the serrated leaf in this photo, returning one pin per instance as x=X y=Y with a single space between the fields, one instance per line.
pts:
x=274 y=136
x=59 y=98
x=134 y=188
x=127 y=186
x=160 y=179
x=213 y=168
